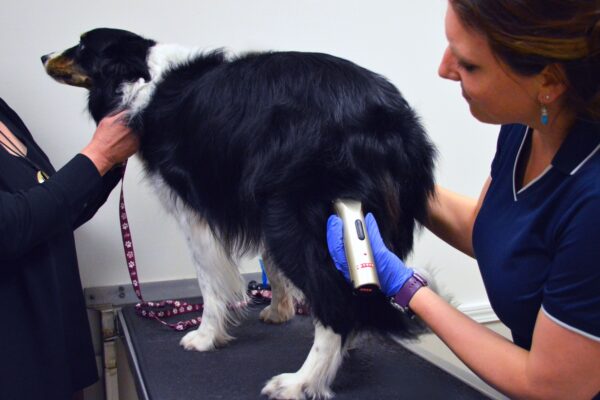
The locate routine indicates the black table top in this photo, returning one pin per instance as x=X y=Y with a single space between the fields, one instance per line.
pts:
x=376 y=369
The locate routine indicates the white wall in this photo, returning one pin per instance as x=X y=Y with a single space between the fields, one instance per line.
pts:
x=402 y=40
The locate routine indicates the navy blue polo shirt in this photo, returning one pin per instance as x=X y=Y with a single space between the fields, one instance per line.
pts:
x=538 y=247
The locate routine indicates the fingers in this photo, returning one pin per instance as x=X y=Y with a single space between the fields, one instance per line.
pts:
x=373 y=231
x=335 y=237
x=115 y=127
x=119 y=113
x=335 y=243
x=334 y=223
x=116 y=118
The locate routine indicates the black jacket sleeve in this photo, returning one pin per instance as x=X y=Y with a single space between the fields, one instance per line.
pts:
x=98 y=198
x=30 y=217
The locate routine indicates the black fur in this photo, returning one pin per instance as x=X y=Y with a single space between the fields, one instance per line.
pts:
x=262 y=144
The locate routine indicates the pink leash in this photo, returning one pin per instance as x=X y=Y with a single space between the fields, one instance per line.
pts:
x=152 y=309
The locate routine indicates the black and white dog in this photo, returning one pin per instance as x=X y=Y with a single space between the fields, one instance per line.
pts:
x=248 y=153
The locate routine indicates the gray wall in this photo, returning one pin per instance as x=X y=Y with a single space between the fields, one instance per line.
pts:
x=402 y=40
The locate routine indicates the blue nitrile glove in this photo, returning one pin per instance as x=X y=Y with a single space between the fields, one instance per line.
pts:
x=391 y=270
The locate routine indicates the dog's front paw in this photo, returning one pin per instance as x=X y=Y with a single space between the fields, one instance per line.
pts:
x=292 y=387
x=199 y=341
x=277 y=315
x=284 y=386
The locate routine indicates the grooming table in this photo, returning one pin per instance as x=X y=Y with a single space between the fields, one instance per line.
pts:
x=375 y=369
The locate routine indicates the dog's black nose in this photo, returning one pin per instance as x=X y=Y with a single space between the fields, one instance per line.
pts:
x=45 y=58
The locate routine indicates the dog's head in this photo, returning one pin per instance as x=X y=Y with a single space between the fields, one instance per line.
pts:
x=103 y=60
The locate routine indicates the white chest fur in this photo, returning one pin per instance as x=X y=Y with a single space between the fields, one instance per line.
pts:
x=161 y=59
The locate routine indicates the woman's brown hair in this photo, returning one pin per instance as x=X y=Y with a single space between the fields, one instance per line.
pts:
x=529 y=35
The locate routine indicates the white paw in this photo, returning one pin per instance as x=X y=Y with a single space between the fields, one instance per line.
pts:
x=277 y=315
x=292 y=387
x=199 y=341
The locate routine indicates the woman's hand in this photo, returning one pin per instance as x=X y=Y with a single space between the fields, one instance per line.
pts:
x=391 y=270
x=112 y=143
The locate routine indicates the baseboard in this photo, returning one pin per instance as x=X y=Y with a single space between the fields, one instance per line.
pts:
x=480 y=312
x=118 y=295
x=123 y=294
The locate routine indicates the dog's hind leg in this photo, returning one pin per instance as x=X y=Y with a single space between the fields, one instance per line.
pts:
x=315 y=376
x=220 y=283
x=296 y=239
x=283 y=294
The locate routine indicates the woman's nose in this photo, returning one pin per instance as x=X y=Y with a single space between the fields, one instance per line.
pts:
x=447 y=68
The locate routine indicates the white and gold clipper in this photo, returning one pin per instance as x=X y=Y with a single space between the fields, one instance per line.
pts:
x=357 y=245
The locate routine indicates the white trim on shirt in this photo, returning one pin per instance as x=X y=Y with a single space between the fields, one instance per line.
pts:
x=517 y=158
x=569 y=327
x=540 y=176
x=585 y=160
x=514 y=183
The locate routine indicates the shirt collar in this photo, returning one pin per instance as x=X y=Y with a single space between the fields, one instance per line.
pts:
x=578 y=147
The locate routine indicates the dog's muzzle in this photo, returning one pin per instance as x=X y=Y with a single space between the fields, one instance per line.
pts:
x=64 y=70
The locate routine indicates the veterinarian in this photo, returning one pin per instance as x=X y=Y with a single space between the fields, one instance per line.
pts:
x=46 y=350
x=533 y=67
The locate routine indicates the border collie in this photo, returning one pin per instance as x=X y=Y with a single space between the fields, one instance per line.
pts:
x=248 y=153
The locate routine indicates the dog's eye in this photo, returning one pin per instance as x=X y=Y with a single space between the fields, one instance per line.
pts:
x=81 y=46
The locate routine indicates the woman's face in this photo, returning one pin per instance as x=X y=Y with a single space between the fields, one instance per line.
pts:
x=495 y=94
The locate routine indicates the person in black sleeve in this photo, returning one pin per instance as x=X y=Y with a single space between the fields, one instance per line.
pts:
x=46 y=350
x=533 y=67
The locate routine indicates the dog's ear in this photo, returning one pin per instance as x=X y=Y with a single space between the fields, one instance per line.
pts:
x=126 y=61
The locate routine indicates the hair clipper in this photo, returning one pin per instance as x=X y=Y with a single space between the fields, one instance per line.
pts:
x=357 y=245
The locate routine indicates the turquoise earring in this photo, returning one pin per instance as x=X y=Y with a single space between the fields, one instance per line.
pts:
x=544 y=114
x=544 y=117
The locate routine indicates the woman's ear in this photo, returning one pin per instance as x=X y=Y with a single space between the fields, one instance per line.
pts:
x=552 y=83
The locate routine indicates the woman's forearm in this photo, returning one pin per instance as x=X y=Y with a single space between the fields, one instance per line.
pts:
x=489 y=355
x=561 y=364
